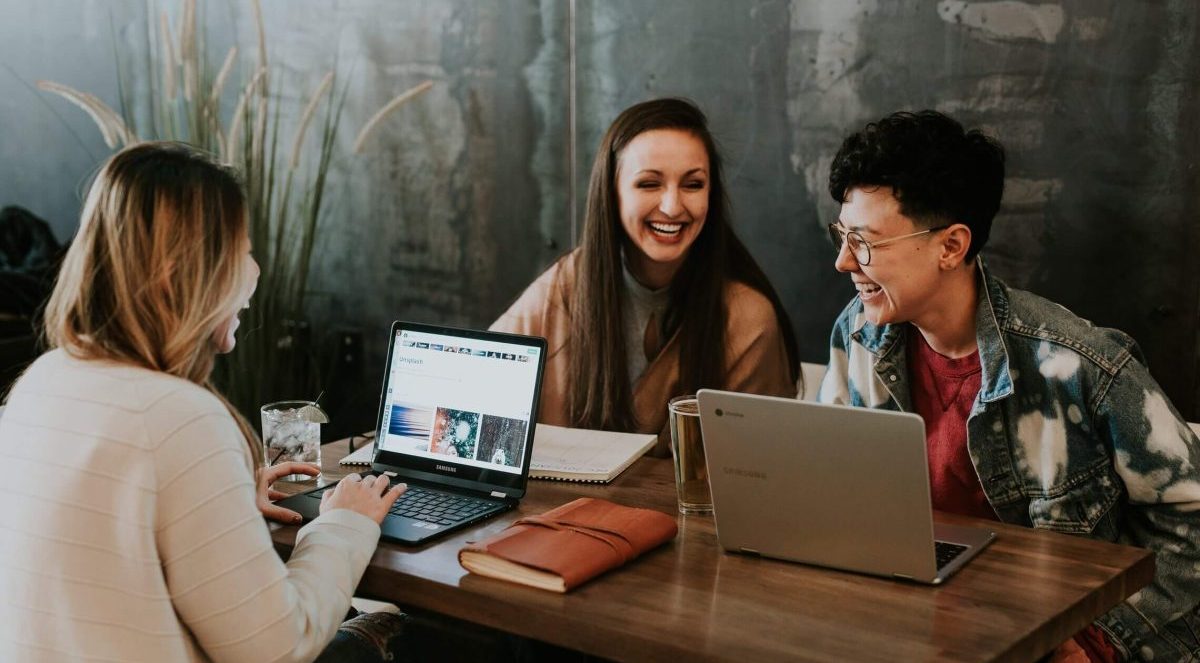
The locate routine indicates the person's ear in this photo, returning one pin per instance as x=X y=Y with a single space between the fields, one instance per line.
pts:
x=956 y=241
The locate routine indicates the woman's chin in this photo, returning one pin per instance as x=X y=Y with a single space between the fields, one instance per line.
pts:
x=223 y=337
x=225 y=344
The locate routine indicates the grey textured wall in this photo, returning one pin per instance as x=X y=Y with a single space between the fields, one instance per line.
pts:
x=467 y=195
x=48 y=149
x=461 y=201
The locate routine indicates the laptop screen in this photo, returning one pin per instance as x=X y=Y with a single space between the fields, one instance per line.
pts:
x=460 y=404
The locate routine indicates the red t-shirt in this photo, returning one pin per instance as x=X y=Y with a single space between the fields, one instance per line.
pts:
x=943 y=391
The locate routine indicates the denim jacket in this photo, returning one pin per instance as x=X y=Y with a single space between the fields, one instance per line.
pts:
x=1069 y=432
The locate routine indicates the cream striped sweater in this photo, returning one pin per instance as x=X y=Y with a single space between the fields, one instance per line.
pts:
x=129 y=531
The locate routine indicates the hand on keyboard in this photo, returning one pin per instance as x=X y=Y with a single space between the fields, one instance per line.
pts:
x=368 y=495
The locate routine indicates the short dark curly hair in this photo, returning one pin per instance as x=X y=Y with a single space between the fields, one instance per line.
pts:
x=938 y=172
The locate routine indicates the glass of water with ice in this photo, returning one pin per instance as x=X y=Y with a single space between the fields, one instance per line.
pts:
x=291 y=431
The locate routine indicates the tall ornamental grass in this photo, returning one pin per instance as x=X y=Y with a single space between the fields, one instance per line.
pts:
x=285 y=179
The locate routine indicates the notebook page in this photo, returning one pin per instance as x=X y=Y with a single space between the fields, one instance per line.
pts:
x=586 y=454
x=360 y=456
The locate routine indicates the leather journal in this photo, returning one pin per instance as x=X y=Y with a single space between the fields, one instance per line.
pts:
x=568 y=545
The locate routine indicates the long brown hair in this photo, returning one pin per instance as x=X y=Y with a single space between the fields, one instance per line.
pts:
x=155 y=267
x=598 y=380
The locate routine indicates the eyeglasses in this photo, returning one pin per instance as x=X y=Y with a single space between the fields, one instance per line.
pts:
x=860 y=248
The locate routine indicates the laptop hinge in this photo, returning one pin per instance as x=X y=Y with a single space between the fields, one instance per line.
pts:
x=496 y=493
x=902 y=576
x=750 y=551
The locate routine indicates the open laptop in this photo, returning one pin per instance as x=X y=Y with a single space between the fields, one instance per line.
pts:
x=830 y=485
x=456 y=423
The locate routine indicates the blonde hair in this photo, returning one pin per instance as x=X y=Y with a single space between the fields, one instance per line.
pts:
x=155 y=267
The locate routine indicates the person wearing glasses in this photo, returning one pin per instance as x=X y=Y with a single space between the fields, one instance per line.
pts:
x=660 y=298
x=1033 y=416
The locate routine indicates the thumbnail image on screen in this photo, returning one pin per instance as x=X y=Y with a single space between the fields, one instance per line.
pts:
x=455 y=433
x=410 y=426
x=502 y=440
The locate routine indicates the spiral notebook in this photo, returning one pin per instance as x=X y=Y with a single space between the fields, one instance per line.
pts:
x=576 y=454
x=360 y=456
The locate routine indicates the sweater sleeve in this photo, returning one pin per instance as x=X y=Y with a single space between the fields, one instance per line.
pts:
x=226 y=582
x=757 y=356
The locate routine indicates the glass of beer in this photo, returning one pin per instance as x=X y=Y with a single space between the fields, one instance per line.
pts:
x=687 y=449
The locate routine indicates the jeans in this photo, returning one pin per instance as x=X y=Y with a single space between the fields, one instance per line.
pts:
x=366 y=638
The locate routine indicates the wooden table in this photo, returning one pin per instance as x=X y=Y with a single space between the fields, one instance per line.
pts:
x=1025 y=594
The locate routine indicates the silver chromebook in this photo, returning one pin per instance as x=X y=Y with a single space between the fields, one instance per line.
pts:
x=830 y=485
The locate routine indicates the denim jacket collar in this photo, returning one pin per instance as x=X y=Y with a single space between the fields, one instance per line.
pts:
x=991 y=314
x=991 y=317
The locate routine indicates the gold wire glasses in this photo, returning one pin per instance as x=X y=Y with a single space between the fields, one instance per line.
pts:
x=860 y=248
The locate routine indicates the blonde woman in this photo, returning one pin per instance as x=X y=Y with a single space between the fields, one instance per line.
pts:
x=130 y=524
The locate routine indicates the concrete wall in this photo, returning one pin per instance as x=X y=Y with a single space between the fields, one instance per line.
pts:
x=468 y=193
x=48 y=149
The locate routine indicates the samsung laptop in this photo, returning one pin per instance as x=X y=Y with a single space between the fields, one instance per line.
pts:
x=830 y=485
x=456 y=423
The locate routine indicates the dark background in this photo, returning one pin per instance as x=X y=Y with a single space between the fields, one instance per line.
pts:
x=474 y=189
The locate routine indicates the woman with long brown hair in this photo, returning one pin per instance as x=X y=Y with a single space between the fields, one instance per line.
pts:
x=130 y=527
x=660 y=298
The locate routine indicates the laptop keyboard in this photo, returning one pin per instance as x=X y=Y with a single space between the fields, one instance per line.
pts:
x=439 y=508
x=434 y=506
x=946 y=552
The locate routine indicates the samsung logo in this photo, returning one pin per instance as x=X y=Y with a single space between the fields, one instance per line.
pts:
x=749 y=474
x=446 y=468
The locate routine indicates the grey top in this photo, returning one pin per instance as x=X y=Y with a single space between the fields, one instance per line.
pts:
x=639 y=303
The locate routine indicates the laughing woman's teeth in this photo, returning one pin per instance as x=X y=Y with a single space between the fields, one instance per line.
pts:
x=868 y=289
x=667 y=228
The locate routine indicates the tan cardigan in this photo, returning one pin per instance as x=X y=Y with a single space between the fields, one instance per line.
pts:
x=756 y=357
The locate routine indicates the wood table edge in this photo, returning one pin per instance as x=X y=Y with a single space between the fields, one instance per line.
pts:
x=1038 y=643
